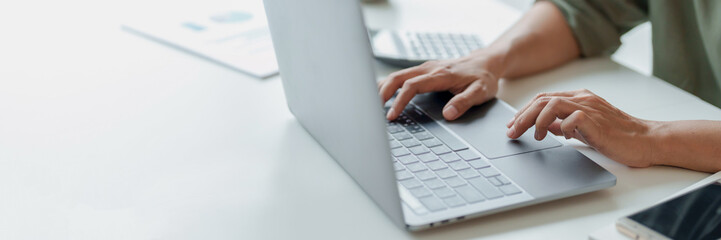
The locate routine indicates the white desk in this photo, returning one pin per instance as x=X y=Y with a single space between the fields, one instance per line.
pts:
x=106 y=135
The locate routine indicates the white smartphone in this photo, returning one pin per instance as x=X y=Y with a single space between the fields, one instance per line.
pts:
x=694 y=215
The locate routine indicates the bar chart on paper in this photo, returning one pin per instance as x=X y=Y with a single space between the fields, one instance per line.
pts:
x=238 y=39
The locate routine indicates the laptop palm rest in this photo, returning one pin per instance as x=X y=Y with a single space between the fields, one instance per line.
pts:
x=484 y=126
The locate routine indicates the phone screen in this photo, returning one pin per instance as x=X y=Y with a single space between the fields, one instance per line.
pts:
x=695 y=215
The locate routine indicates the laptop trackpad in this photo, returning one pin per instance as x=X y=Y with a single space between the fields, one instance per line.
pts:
x=554 y=171
x=484 y=126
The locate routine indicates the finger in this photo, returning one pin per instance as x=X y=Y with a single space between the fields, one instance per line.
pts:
x=538 y=96
x=476 y=93
x=406 y=73
x=558 y=108
x=527 y=118
x=411 y=87
x=580 y=126
x=388 y=86
x=555 y=128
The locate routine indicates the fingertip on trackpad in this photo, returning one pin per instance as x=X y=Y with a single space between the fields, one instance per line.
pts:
x=484 y=128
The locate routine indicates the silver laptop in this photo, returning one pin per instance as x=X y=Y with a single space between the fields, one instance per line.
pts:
x=421 y=170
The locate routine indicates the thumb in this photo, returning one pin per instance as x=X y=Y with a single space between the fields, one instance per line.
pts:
x=473 y=95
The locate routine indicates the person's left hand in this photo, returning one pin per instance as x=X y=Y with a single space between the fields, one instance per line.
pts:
x=587 y=117
x=472 y=79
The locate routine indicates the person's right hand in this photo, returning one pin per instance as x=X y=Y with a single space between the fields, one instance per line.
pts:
x=589 y=118
x=469 y=78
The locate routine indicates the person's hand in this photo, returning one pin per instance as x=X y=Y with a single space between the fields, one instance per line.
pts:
x=589 y=118
x=469 y=78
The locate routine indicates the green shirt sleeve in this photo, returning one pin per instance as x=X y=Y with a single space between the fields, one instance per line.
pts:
x=599 y=24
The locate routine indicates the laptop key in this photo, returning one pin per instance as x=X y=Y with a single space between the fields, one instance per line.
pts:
x=411 y=183
x=402 y=135
x=403 y=175
x=399 y=152
x=407 y=159
x=445 y=173
x=417 y=150
x=489 y=172
x=410 y=142
x=436 y=165
x=503 y=179
x=510 y=189
x=438 y=150
x=405 y=120
x=444 y=192
x=432 y=203
x=415 y=128
x=413 y=112
x=450 y=157
x=459 y=165
x=442 y=134
x=395 y=129
x=455 y=181
x=468 y=173
x=495 y=181
x=395 y=144
x=434 y=183
x=470 y=194
x=468 y=154
x=420 y=192
x=479 y=163
x=432 y=142
x=416 y=167
x=485 y=187
x=398 y=166
x=427 y=157
x=454 y=201
x=423 y=135
x=425 y=175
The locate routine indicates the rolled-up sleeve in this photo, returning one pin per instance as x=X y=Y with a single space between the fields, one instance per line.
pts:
x=599 y=24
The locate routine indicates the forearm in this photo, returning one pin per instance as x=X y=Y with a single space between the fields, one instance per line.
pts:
x=541 y=40
x=694 y=144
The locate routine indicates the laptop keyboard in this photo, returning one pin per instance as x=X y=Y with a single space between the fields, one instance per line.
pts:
x=438 y=169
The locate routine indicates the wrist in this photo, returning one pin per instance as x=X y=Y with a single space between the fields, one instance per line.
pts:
x=659 y=138
x=492 y=59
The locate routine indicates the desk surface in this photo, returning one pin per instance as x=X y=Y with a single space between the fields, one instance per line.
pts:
x=106 y=135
